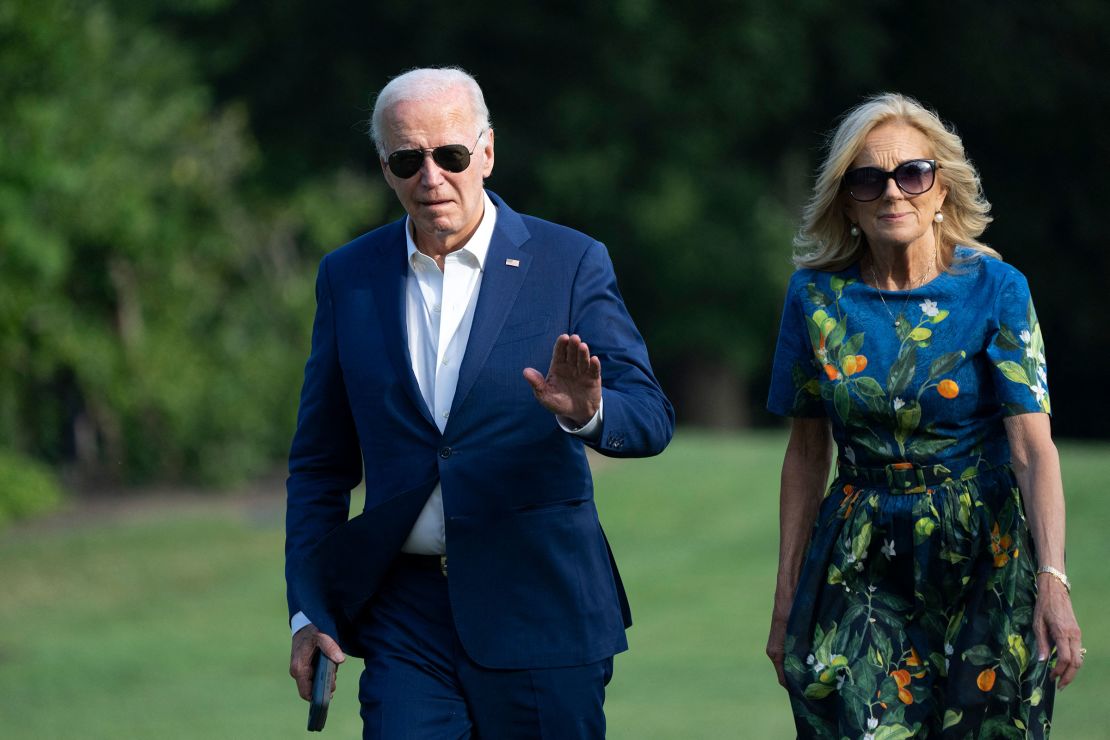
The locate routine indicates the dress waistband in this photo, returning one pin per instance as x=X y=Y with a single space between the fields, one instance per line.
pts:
x=909 y=477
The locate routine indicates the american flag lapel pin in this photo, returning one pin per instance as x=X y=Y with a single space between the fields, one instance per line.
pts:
x=512 y=263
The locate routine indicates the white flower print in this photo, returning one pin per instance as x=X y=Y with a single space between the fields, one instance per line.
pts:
x=929 y=308
x=872 y=723
x=888 y=549
x=1038 y=391
x=1025 y=336
x=898 y=403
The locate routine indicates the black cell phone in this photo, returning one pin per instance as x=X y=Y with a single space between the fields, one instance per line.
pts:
x=321 y=691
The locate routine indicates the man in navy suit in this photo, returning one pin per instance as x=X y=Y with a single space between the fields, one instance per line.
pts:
x=477 y=583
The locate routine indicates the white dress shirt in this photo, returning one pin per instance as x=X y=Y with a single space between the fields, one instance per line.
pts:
x=439 y=311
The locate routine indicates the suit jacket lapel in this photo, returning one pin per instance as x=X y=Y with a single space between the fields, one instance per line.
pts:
x=388 y=278
x=504 y=271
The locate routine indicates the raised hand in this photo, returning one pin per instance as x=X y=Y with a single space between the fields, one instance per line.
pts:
x=572 y=386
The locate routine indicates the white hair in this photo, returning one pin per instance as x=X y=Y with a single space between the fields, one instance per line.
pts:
x=428 y=83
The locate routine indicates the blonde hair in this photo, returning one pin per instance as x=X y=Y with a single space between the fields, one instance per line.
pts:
x=823 y=241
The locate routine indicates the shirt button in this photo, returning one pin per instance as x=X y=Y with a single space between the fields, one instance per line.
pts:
x=445 y=452
x=435 y=308
x=446 y=414
x=445 y=361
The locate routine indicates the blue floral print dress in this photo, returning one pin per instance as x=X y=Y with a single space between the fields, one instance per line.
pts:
x=913 y=615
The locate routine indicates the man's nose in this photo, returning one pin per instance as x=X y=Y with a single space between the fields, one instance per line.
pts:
x=430 y=173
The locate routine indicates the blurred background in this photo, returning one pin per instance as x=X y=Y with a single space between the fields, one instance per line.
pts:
x=172 y=171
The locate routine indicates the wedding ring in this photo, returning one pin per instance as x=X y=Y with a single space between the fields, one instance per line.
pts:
x=1082 y=653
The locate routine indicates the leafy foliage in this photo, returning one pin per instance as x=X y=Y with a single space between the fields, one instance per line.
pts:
x=27 y=487
x=171 y=171
x=152 y=314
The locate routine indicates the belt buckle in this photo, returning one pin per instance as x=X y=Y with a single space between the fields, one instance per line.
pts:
x=907 y=476
x=443 y=565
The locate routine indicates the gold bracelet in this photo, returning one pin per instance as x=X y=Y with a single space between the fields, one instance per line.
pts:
x=1057 y=574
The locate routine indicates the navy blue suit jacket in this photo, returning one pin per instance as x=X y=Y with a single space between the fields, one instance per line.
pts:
x=532 y=581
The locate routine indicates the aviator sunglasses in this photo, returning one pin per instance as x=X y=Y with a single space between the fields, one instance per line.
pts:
x=913 y=178
x=451 y=157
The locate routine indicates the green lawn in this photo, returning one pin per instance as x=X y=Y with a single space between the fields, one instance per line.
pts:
x=172 y=625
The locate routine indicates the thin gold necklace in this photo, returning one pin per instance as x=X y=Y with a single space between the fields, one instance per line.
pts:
x=921 y=281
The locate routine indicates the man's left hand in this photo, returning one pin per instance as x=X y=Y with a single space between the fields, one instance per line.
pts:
x=572 y=387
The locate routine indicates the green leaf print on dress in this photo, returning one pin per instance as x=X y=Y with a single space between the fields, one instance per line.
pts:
x=913 y=611
x=1031 y=371
x=843 y=360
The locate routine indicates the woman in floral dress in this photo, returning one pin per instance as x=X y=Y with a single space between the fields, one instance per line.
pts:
x=931 y=599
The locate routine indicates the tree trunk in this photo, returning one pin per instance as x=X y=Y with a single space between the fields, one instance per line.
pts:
x=712 y=395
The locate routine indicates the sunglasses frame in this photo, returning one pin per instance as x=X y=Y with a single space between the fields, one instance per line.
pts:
x=891 y=175
x=434 y=152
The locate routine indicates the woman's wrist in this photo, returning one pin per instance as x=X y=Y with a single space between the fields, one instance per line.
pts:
x=1056 y=574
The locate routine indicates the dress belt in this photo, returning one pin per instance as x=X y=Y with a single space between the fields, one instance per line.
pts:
x=909 y=477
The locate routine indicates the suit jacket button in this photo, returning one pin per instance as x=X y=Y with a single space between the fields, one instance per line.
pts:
x=445 y=452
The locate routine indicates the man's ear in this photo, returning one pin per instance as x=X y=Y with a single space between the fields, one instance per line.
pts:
x=487 y=168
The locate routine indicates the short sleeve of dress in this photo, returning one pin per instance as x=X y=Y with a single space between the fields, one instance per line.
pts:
x=1016 y=351
x=795 y=390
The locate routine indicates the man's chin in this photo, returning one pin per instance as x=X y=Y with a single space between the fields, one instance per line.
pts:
x=437 y=215
x=441 y=227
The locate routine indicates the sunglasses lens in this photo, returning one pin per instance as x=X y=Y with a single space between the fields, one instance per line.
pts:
x=405 y=163
x=914 y=177
x=865 y=183
x=453 y=157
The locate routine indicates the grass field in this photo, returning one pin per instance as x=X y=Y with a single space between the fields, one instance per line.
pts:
x=171 y=623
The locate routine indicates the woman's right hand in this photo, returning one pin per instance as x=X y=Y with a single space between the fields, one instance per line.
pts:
x=805 y=470
x=776 y=640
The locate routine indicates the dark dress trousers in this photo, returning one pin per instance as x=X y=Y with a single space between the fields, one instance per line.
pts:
x=532 y=582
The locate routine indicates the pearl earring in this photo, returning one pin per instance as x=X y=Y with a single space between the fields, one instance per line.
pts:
x=854 y=231
x=939 y=218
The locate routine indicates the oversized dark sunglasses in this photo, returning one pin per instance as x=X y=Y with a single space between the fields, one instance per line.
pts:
x=452 y=157
x=913 y=178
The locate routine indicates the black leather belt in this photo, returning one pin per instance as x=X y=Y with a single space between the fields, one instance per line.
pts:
x=423 y=562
